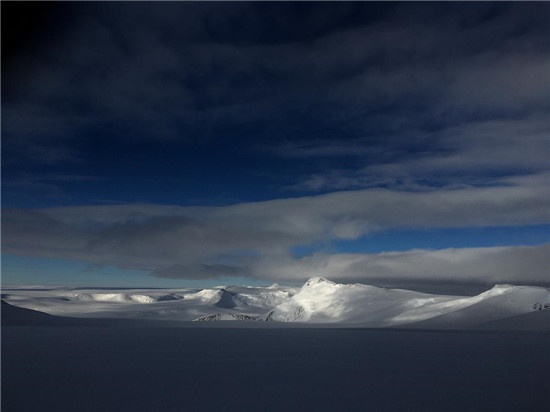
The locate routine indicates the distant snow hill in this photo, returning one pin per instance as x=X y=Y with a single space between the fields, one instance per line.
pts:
x=318 y=302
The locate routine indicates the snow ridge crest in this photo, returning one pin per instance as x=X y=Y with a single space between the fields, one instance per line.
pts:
x=318 y=280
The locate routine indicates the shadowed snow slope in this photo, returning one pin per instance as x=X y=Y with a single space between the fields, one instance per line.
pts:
x=12 y=315
x=318 y=301
x=15 y=316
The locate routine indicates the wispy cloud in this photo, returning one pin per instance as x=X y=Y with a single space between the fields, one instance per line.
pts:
x=475 y=153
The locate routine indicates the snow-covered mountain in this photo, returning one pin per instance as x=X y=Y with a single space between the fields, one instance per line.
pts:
x=155 y=304
x=323 y=301
x=318 y=301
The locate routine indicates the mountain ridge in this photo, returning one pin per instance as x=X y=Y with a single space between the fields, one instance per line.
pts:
x=318 y=301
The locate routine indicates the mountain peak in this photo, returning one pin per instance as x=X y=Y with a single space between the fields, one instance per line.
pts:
x=317 y=280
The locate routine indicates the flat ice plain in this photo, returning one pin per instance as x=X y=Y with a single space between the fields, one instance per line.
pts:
x=119 y=362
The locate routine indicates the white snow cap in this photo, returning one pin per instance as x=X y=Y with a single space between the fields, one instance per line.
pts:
x=317 y=280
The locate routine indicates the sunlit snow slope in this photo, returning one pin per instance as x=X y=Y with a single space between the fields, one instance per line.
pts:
x=234 y=303
x=318 y=301
x=323 y=301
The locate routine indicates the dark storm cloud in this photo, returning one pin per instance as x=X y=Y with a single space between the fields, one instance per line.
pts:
x=161 y=66
x=349 y=74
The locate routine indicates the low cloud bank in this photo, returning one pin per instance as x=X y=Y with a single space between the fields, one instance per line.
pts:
x=482 y=266
x=255 y=239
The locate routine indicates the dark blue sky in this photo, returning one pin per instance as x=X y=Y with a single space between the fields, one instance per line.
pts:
x=227 y=136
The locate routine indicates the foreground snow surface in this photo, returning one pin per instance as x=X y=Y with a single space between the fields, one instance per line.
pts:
x=116 y=369
x=318 y=301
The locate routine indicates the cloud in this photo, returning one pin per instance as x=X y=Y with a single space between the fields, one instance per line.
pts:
x=482 y=266
x=476 y=153
x=209 y=241
x=437 y=113
x=137 y=72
